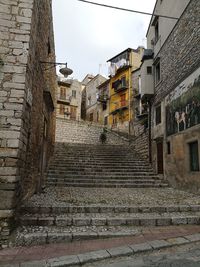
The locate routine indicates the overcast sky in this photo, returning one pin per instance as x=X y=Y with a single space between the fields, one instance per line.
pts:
x=86 y=36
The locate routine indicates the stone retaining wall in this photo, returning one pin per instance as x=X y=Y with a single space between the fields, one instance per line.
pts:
x=84 y=133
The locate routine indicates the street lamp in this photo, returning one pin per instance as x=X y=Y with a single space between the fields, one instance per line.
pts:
x=65 y=70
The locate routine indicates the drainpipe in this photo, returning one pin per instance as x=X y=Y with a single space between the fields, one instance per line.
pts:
x=129 y=96
x=149 y=137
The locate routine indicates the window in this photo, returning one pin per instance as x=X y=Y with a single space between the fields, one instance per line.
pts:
x=149 y=70
x=123 y=100
x=74 y=93
x=105 y=120
x=194 y=156
x=73 y=113
x=158 y=115
x=104 y=105
x=157 y=72
x=123 y=81
x=62 y=93
x=157 y=30
x=89 y=100
x=168 y=148
x=91 y=116
x=62 y=109
x=97 y=116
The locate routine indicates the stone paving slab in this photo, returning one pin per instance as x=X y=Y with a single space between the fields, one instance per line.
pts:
x=81 y=252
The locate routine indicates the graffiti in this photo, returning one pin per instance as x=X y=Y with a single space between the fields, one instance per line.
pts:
x=184 y=111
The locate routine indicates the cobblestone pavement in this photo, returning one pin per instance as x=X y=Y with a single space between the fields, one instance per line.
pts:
x=183 y=256
x=119 y=196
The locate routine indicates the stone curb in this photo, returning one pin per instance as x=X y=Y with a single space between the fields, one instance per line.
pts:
x=108 y=209
x=80 y=259
x=157 y=220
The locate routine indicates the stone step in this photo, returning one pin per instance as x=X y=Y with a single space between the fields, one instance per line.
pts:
x=98 y=163
x=106 y=181
x=119 y=219
x=96 y=157
x=34 y=235
x=107 y=185
x=100 y=176
x=71 y=209
x=94 y=167
x=99 y=172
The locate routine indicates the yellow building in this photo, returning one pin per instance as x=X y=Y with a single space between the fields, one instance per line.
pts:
x=120 y=88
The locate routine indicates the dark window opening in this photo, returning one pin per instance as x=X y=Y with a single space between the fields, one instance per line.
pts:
x=168 y=148
x=105 y=120
x=194 y=156
x=74 y=93
x=49 y=47
x=158 y=115
x=157 y=72
x=104 y=105
x=149 y=70
x=91 y=116
x=156 y=31
x=123 y=81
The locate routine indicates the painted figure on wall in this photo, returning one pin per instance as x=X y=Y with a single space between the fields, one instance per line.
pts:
x=184 y=112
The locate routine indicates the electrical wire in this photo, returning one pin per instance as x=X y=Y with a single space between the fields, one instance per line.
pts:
x=128 y=10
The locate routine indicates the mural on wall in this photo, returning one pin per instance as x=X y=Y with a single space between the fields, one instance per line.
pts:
x=183 y=105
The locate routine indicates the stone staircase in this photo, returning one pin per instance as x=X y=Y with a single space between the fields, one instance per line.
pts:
x=64 y=223
x=106 y=166
x=96 y=191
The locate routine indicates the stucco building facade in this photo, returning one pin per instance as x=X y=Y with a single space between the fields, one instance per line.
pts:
x=120 y=88
x=69 y=99
x=92 y=96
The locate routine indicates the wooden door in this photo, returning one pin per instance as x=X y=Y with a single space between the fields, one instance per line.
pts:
x=160 y=158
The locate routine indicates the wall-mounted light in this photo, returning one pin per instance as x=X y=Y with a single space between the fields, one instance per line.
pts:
x=64 y=70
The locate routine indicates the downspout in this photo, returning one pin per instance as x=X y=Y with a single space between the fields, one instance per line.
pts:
x=149 y=137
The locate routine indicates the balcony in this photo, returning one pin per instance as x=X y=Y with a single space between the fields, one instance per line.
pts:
x=142 y=111
x=102 y=98
x=64 y=99
x=119 y=106
x=120 y=85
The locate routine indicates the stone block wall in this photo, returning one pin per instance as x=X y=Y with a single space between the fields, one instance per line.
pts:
x=179 y=56
x=179 y=59
x=84 y=133
x=26 y=38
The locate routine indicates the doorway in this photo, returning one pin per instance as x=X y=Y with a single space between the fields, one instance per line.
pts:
x=160 y=168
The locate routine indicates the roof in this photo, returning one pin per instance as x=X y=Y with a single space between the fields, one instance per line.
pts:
x=103 y=84
x=126 y=50
x=136 y=70
x=64 y=83
x=95 y=77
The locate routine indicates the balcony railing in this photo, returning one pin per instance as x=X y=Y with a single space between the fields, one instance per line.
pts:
x=64 y=99
x=120 y=85
x=102 y=98
x=121 y=105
